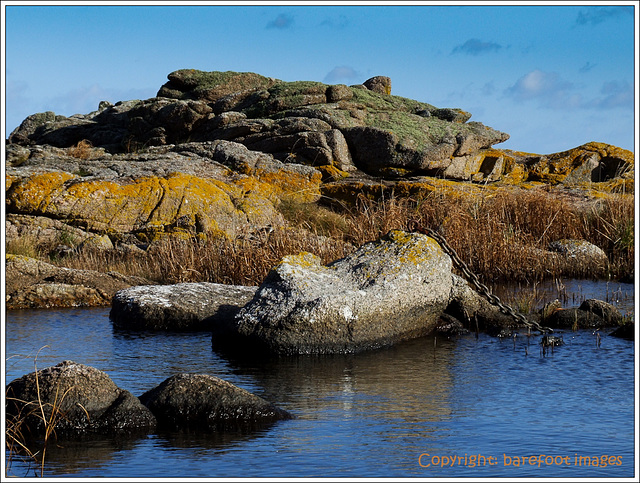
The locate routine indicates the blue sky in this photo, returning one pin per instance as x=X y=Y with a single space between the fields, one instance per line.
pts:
x=552 y=76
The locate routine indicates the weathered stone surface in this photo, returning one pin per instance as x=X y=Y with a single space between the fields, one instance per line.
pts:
x=211 y=86
x=32 y=283
x=98 y=242
x=609 y=313
x=580 y=252
x=85 y=399
x=183 y=306
x=380 y=84
x=204 y=402
x=291 y=181
x=144 y=205
x=41 y=229
x=388 y=290
x=474 y=311
x=590 y=162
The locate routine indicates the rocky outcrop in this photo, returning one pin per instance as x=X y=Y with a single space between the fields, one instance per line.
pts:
x=306 y=122
x=215 y=154
x=32 y=283
x=206 y=402
x=178 y=191
x=73 y=397
x=591 y=313
x=215 y=151
x=389 y=290
x=183 y=306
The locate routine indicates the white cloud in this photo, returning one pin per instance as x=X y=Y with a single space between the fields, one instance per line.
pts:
x=547 y=87
x=342 y=73
x=553 y=92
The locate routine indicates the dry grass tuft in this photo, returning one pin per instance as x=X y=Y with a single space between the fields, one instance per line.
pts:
x=82 y=150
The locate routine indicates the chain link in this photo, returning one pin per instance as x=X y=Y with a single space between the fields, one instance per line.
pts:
x=414 y=226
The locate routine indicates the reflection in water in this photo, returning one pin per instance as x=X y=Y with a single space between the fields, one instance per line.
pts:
x=409 y=382
x=362 y=415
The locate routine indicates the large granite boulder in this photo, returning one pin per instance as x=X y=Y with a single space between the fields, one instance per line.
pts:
x=74 y=397
x=204 y=402
x=389 y=290
x=183 y=306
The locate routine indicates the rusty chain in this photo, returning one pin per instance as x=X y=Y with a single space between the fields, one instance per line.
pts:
x=414 y=226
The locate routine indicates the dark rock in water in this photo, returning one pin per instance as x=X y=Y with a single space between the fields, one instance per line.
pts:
x=592 y=313
x=625 y=331
x=575 y=318
x=609 y=313
x=182 y=306
x=449 y=326
x=84 y=398
x=201 y=401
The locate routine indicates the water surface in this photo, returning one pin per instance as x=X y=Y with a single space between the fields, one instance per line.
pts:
x=394 y=412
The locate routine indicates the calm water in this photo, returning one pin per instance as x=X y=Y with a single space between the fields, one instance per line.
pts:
x=366 y=415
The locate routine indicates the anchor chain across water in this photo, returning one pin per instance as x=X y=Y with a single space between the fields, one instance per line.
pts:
x=414 y=226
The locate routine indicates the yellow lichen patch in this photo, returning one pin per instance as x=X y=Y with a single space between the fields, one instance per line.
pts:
x=146 y=203
x=514 y=174
x=331 y=173
x=35 y=193
x=298 y=187
x=300 y=260
x=415 y=249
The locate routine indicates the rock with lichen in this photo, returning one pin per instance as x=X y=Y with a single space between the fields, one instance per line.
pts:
x=389 y=290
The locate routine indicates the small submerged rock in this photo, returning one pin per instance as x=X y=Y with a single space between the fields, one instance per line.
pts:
x=592 y=313
x=207 y=402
